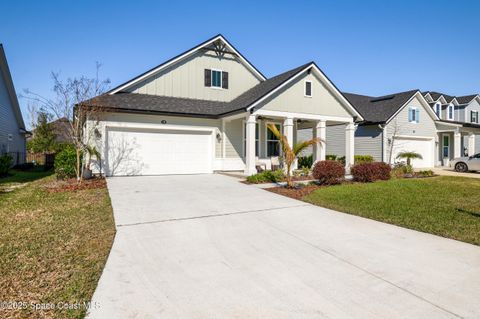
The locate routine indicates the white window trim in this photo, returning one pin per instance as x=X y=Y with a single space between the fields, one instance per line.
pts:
x=244 y=141
x=221 y=79
x=413 y=108
x=471 y=120
x=305 y=89
x=453 y=112
x=439 y=107
x=266 y=136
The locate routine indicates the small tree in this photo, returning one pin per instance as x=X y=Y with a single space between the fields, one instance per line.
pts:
x=409 y=156
x=43 y=140
x=290 y=154
x=73 y=100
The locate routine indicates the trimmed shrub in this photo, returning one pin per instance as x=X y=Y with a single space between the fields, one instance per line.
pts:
x=6 y=162
x=266 y=177
x=65 y=163
x=363 y=159
x=305 y=161
x=331 y=157
x=370 y=172
x=328 y=172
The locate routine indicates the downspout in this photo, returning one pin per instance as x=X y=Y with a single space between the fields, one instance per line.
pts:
x=382 y=127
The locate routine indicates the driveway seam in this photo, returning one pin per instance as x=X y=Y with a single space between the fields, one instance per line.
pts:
x=363 y=270
x=210 y=216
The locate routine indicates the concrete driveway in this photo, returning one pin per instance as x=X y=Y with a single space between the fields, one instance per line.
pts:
x=207 y=246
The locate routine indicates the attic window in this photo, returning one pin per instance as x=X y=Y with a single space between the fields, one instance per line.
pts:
x=216 y=79
x=308 y=88
x=450 y=112
x=437 y=109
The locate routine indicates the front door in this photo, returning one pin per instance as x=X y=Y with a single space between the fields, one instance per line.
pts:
x=445 y=149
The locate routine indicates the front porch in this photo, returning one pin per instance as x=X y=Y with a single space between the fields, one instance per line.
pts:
x=261 y=149
x=455 y=141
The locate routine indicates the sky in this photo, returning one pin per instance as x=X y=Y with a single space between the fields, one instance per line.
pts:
x=366 y=47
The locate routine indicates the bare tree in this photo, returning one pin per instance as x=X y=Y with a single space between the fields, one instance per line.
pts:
x=75 y=99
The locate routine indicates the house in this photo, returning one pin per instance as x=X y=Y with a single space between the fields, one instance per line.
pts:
x=61 y=128
x=426 y=123
x=12 y=127
x=207 y=110
x=392 y=124
x=458 y=119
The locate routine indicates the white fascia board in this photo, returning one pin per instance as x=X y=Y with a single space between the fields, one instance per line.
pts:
x=303 y=116
x=323 y=79
x=425 y=105
x=185 y=55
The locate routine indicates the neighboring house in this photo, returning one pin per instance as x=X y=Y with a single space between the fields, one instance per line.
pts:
x=392 y=124
x=61 y=128
x=409 y=121
x=207 y=109
x=12 y=127
x=459 y=121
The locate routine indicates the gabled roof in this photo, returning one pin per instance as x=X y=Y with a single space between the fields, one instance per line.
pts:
x=5 y=73
x=186 y=54
x=136 y=102
x=466 y=98
x=437 y=95
x=379 y=109
x=193 y=107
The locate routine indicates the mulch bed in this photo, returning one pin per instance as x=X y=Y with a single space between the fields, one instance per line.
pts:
x=71 y=185
x=296 y=193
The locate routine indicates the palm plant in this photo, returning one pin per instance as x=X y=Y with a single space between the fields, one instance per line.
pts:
x=290 y=153
x=409 y=156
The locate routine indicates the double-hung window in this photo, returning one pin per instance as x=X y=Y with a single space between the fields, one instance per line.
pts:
x=273 y=145
x=450 y=111
x=438 y=108
x=414 y=115
x=474 y=116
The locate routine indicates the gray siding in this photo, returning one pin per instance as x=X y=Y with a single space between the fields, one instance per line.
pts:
x=8 y=123
x=186 y=78
x=425 y=128
x=335 y=140
x=368 y=141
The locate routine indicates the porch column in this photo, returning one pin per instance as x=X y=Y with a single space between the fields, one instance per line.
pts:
x=471 y=144
x=319 y=150
x=288 y=130
x=250 y=168
x=288 y=133
x=349 y=146
x=457 y=144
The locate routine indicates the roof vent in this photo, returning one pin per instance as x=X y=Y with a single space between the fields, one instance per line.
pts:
x=383 y=98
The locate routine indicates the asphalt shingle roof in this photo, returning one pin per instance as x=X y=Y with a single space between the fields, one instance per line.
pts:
x=379 y=109
x=175 y=105
x=466 y=98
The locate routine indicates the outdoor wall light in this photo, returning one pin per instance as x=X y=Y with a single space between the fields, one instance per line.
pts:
x=97 y=133
x=219 y=137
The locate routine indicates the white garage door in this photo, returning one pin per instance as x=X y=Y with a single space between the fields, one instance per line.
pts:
x=158 y=152
x=421 y=146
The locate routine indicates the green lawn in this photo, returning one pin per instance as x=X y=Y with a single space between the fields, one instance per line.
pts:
x=444 y=206
x=53 y=246
x=17 y=176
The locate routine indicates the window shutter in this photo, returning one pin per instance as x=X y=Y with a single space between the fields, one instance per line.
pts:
x=208 y=77
x=225 y=80
x=409 y=114
x=417 y=116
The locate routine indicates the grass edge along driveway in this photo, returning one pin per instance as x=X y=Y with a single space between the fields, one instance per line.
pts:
x=443 y=206
x=53 y=246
